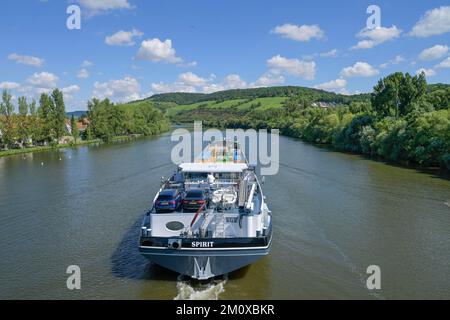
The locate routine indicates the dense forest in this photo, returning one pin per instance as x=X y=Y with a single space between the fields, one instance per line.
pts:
x=404 y=120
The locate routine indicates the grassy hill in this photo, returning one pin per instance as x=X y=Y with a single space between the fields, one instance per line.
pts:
x=187 y=107
x=253 y=93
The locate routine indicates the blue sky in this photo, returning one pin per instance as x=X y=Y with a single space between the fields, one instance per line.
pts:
x=130 y=49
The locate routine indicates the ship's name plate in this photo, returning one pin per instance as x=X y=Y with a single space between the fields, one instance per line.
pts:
x=202 y=244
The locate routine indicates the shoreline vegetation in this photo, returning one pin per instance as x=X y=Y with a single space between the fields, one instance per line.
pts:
x=69 y=145
x=46 y=127
x=11 y=152
x=403 y=121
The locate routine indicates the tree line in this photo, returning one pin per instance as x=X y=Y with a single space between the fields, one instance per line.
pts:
x=108 y=120
x=183 y=98
x=403 y=120
x=33 y=124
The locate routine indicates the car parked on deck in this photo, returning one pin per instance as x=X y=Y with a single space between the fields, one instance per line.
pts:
x=194 y=199
x=169 y=200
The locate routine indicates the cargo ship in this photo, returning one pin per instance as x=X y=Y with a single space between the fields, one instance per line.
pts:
x=210 y=217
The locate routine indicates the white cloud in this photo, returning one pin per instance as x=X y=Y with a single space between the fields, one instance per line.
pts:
x=434 y=22
x=334 y=85
x=162 y=87
x=86 y=64
x=444 y=64
x=299 y=32
x=97 y=7
x=188 y=65
x=374 y=37
x=190 y=82
x=191 y=79
x=428 y=72
x=294 y=67
x=234 y=81
x=123 y=38
x=436 y=52
x=69 y=91
x=397 y=60
x=213 y=87
x=28 y=60
x=25 y=89
x=359 y=69
x=83 y=74
x=186 y=82
x=331 y=53
x=43 y=80
x=267 y=80
x=7 y=85
x=156 y=50
x=39 y=91
x=122 y=90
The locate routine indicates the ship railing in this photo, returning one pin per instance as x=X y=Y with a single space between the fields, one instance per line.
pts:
x=204 y=183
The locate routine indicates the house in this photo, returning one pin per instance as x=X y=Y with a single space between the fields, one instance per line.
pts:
x=68 y=125
x=323 y=104
x=82 y=125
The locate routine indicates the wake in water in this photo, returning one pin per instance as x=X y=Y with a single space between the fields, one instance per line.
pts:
x=194 y=290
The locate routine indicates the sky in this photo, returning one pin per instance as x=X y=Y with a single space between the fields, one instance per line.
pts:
x=130 y=49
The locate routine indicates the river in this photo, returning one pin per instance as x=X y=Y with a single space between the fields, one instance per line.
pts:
x=334 y=215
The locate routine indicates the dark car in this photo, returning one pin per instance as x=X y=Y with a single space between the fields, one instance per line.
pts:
x=194 y=199
x=168 y=200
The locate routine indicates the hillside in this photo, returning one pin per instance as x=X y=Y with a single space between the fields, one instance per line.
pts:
x=76 y=114
x=187 y=107
x=253 y=93
x=437 y=86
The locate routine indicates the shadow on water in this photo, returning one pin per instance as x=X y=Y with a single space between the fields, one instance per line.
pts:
x=434 y=172
x=127 y=262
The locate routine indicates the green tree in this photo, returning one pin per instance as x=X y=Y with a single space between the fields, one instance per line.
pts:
x=7 y=119
x=33 y=121
x=59 y=114
x=32 y=107
x=75 y=132
x=396 y=94
x=439 y=99
x=23 y=121
x=46 y=132
x=98 y=112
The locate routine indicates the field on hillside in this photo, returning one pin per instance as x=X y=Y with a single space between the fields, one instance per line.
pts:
x=172 y=109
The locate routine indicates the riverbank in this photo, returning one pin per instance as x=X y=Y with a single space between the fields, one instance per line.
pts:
x=435 y=171
x=11 y=152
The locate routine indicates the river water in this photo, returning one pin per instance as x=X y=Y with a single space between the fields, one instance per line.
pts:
x=334 y=215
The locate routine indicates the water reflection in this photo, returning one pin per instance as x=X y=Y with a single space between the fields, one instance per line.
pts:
x=127 y=261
